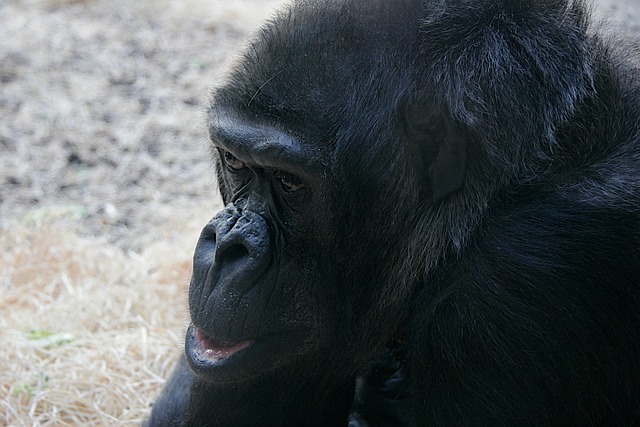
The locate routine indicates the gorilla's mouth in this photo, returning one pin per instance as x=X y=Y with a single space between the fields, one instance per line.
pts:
x=222 y=361
x=210 y=350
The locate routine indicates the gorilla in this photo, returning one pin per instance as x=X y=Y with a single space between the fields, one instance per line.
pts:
x=432 y=219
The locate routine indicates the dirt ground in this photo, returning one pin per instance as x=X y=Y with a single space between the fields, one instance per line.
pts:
x=105 y=182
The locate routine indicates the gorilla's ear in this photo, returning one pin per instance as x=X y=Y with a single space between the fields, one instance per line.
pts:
x=442 y=147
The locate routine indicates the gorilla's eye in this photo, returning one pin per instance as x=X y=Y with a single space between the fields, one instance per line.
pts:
x=232 y=161
x=289 y=183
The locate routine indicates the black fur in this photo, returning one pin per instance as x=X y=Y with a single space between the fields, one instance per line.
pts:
x=433 y=219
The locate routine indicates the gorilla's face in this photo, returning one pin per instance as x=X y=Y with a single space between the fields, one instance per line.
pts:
x=264 y=290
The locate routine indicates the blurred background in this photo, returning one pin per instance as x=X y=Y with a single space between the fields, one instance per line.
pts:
x=105 y=183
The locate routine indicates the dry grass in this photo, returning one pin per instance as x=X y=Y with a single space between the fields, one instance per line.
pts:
x=88 y=331
x=104 y=185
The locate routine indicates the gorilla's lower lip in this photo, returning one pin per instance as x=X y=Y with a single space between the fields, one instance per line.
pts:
x=209 y=350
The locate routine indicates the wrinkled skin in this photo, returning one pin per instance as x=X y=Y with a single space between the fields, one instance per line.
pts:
x=457 y=181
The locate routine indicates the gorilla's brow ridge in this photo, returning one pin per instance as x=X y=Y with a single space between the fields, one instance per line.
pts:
x=264 y=145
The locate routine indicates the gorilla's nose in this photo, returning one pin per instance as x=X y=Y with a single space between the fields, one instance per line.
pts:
x=235 y=249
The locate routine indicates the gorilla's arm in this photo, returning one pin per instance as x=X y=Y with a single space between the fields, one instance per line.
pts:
x=382 y=396
x=170 y=408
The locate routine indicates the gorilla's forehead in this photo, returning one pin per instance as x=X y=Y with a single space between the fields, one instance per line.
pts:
x=318 y=62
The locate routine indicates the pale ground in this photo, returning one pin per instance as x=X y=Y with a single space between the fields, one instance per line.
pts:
x=105 y=182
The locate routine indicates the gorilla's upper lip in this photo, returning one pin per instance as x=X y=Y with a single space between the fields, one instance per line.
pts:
x=210 y=350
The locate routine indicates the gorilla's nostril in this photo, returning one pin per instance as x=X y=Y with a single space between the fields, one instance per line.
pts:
x=234 y=253
x=208 y=234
